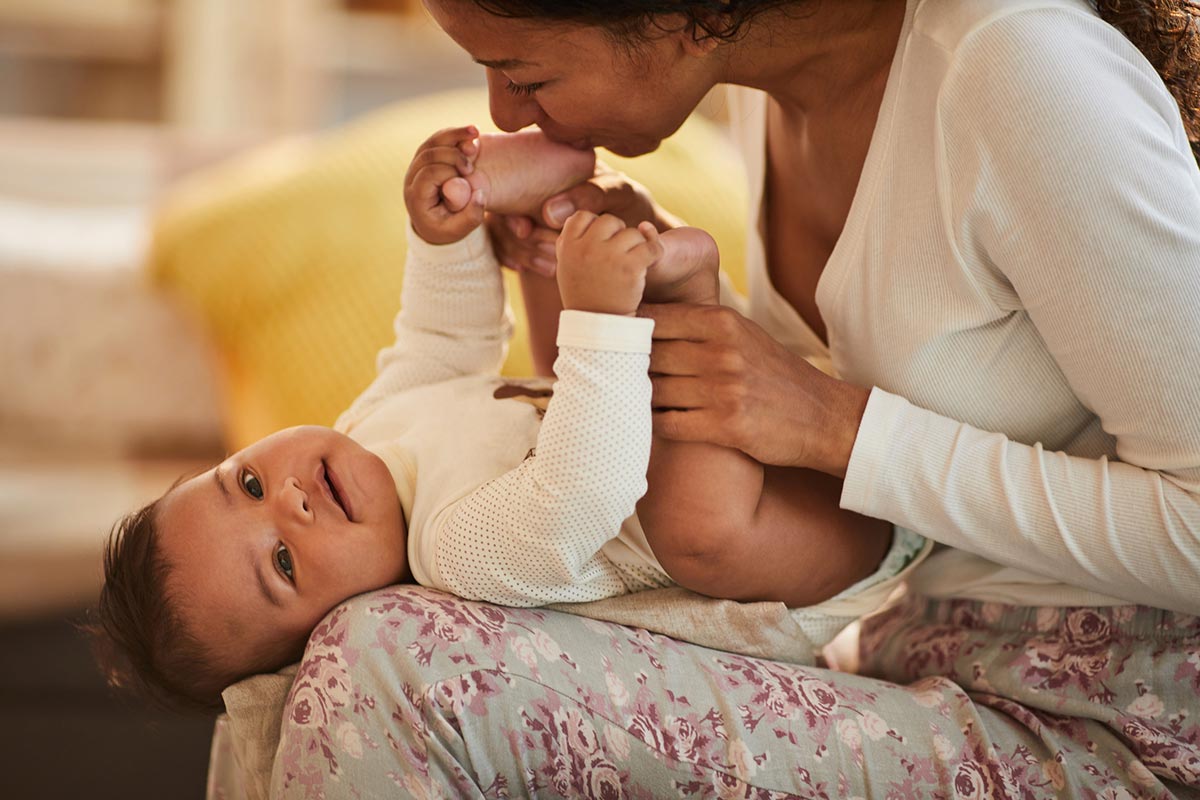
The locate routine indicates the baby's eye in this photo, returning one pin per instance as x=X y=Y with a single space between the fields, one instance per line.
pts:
x=251 y=484
x=283 y=560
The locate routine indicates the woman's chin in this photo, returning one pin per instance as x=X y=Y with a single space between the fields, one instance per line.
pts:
x=632 y=149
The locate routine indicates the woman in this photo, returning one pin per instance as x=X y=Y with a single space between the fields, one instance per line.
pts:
x=987 y=214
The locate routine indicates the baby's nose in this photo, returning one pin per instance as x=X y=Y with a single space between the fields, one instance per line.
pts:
x=293 y=502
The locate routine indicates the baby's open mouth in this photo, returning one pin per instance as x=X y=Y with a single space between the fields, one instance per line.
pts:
x=330 y=481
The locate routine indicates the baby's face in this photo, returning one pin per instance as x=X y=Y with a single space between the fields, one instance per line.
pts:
x=262 y=546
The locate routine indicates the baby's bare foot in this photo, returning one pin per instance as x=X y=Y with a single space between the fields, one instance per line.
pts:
x=687 y=271
x=518 y=172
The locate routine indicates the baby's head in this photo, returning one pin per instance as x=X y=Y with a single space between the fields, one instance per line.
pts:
x=226 y=574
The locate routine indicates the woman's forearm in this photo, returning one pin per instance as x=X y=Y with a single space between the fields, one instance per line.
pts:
x=1097 y=523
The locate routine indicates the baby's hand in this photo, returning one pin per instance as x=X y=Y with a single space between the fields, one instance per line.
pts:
x=433 y=183
x=602 y=263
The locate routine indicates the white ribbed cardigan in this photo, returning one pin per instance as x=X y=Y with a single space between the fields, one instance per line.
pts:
x=1019 y=279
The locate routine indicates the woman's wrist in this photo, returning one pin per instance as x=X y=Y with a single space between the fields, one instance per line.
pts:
x=846 y=409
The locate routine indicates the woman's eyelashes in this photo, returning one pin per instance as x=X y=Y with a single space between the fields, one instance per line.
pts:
x=283 y=562
x=251 y=485
x=524 y=89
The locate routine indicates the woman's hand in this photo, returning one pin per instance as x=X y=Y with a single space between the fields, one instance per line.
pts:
x=719 y=378
x=526 y=244
x=521 y=246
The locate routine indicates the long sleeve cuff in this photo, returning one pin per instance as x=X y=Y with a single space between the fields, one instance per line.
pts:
x=870 y=449
x=610 y=332
x=470 y=249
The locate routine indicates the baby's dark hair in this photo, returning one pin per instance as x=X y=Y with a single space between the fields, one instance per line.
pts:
x=139 y=638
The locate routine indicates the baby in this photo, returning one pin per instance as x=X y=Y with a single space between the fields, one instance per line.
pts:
x=443 y=473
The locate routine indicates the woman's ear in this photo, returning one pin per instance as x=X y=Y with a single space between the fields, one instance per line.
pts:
x=698 y=43
x=693 y=35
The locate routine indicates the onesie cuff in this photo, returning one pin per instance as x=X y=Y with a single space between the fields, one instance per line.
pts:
x=869 y=455
x=467 y=250
x=592 y=331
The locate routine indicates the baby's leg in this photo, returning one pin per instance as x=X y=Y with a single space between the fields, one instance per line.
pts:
x=718 y=521
x=723 y=525
x=518 y=172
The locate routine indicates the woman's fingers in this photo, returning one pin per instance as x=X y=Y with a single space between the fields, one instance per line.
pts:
x=673 y=392
x=686 y=426
x=519 y=226
x=720 y=378
x=534 y=251
x=608 y=192
x=696 y=323
x=678 y=357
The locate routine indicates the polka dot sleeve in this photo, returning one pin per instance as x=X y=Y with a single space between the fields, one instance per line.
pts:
x=453 y=321
x=534 y=535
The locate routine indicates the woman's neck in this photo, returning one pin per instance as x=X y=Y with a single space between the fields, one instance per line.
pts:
x=811 y=57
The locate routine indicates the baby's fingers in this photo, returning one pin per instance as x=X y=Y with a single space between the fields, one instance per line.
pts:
x=577 y=225
x=431 y=216
x=457 y=193
x=427 y=182
x=444 y=155
x=627 y=240
x=451 y=137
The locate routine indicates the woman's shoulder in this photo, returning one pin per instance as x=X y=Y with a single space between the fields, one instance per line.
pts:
x=1050 y=63
x=950 y=24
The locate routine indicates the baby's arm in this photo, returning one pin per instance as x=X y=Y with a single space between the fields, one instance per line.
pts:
x=534 y=535
x=452 y=320
x=719 y=522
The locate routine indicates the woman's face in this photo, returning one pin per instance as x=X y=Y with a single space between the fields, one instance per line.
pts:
x=576 y=83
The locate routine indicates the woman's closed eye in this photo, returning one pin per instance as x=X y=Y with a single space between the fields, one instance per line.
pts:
x=283 y=562
x=251 y=485
x=524 y=89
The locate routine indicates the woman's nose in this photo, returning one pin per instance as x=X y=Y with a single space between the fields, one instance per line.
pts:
x=510 y=112
x=292 y=503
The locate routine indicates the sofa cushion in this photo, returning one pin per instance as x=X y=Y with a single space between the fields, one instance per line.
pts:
x=292 y=256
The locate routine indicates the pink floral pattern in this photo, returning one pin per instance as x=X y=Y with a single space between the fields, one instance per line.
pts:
x=408 y=692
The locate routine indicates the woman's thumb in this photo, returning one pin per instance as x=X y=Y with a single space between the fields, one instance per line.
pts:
x=584 y=197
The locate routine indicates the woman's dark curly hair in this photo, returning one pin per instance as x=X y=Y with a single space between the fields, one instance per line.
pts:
x=1168 y=34
x=1166 y=31
x=718 y=19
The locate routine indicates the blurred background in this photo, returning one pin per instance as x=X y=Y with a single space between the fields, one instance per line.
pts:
x=201 y=242
x=110 y=391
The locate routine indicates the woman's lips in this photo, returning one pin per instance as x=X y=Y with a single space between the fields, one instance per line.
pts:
x=336 y=490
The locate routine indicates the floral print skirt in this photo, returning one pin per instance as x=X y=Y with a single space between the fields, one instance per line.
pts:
x=409 y=692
